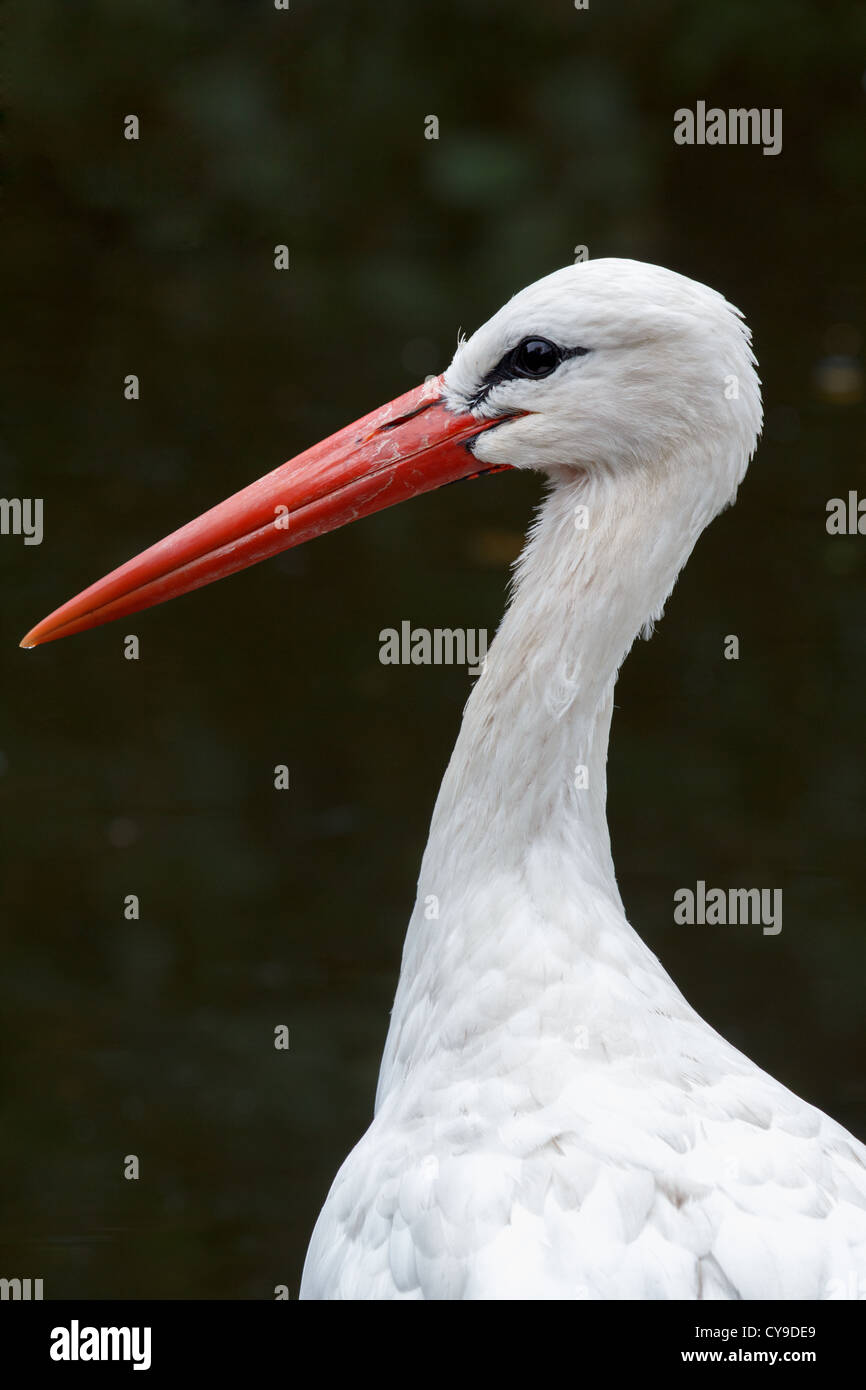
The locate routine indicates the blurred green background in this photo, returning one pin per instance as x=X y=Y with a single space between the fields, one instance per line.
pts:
x=155 y=777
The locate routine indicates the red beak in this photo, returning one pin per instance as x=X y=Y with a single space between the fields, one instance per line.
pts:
x=410 y=446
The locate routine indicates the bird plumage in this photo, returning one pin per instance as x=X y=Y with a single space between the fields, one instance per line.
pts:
x=553 y=1119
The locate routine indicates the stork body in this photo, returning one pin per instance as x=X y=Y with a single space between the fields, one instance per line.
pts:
x=553 y=1119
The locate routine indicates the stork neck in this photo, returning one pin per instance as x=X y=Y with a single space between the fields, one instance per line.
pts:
x=529 y=765
x=519 y=841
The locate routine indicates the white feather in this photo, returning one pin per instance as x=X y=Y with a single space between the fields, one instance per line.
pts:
x=553 y=1119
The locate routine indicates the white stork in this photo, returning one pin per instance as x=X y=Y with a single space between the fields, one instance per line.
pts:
x=553 y=1119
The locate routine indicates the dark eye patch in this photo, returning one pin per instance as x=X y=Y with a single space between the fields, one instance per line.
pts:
x=532 y=359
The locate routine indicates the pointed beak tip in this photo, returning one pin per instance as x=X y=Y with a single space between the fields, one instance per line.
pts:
x=37 y=635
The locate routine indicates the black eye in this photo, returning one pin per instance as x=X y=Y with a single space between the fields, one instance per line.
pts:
x=535 y=357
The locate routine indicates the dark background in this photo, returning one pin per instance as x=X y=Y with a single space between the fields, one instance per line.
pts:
x=156 y=777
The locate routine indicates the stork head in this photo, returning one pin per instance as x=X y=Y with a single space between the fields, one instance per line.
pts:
x=603 y=368
x=612 y=366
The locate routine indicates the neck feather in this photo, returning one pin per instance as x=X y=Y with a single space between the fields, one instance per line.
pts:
x=519 y=850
